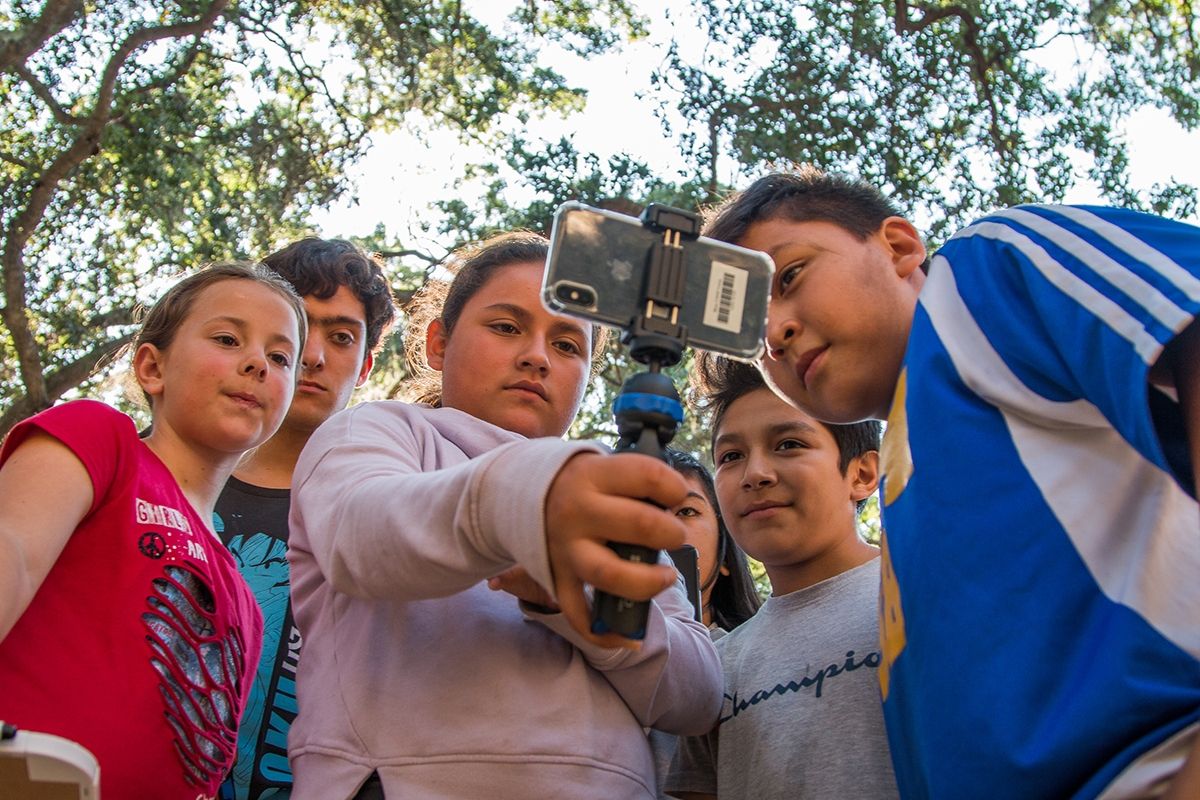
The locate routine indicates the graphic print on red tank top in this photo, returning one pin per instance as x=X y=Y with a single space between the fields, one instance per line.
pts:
x=199 y=672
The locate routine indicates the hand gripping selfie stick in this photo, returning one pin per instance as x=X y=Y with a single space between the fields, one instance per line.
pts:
x=647 y=409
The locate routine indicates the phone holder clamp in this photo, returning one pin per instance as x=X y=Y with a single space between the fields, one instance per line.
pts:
x=656 y=337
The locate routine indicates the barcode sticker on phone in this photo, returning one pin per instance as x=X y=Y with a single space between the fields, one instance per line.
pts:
x=726 y=297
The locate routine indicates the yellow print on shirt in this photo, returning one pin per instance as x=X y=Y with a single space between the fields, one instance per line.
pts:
x=896 y=456
x=892 y=638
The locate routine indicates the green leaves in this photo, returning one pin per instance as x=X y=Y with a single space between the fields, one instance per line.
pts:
x=947 y=106
x=141 y=139
x=953 y=108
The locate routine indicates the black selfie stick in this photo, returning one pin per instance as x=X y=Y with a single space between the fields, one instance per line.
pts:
x=647 y=409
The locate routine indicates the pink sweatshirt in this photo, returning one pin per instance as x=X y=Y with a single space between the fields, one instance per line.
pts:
x=413 y=668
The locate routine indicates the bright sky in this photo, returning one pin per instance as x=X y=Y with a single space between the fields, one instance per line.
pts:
x=400 y=175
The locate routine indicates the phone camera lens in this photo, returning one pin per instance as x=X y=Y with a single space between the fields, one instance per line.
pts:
x=575 y=295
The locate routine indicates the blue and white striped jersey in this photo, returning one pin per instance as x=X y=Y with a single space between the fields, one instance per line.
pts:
x=1041 y=591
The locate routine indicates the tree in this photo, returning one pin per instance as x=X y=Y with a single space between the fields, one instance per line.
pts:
x=557 y=172
x=140 y=139
x=944 y=104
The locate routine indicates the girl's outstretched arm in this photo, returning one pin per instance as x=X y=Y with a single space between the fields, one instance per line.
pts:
x=377 y=514
x=384 y=507
x=595 y=499
x=670 y=680
x=44 y=493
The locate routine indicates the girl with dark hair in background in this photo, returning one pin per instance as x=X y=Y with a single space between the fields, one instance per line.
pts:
x=727 y=592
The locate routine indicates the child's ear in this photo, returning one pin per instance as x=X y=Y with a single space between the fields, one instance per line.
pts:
x=148 y=362
x=368 y=362
x=435 y=344
x=863 y=472
x=904 y=244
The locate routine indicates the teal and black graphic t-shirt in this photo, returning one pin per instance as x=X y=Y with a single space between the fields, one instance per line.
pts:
x=252 y=522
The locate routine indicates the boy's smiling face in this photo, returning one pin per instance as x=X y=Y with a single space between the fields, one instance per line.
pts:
x=840 y=313
x=783 y=493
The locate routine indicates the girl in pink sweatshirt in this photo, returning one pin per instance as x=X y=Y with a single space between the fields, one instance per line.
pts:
x=416 y=680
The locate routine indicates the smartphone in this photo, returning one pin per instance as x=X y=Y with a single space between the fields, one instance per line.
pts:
x=688 y=564
x=595 y=271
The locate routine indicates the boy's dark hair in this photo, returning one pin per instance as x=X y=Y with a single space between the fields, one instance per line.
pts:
x=734 y=598
x=318 y=267
x=721 y=381
x=806 y=195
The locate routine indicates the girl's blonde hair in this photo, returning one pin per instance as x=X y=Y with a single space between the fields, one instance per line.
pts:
x=472 y=267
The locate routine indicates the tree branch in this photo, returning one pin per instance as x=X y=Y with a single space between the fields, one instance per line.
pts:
x=117 y=316
x=403 y=296
x=980 y=63
x=714 y=145
x=906 y=24
x=141 y=38
x=23 y=224
x=308 y=74
x=42 y=91
x=18 y=45
x=11 y=159
x=426 y=257
x=58 y=382
x=168 y=79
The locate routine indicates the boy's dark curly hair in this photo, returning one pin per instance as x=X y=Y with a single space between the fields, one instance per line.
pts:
x=318 y=267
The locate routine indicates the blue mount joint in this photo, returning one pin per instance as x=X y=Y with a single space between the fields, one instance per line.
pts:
x=652 y=403
x=600 y=627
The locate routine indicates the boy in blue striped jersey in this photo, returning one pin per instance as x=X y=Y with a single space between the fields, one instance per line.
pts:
x=1040 y=376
